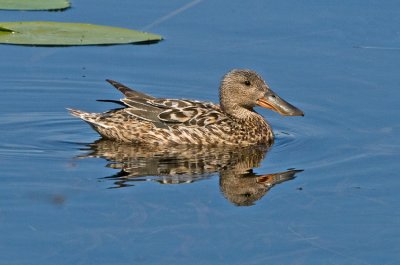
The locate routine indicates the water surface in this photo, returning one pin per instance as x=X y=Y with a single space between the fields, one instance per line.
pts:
x=337 y=61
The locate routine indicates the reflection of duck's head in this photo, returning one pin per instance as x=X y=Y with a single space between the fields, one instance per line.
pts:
x=245 y=189
x=178 y=165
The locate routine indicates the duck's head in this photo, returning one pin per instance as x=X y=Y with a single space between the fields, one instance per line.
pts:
x=241 y=90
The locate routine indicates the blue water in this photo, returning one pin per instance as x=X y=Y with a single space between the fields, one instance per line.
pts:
x=337 y=61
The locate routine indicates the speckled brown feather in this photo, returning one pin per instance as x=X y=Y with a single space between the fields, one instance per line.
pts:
x=151 y=121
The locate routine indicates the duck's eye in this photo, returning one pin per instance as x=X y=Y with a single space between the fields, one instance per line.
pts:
x=247 y=83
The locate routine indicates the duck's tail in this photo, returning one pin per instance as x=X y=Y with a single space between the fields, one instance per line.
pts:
x=92 y=119
x=86 y=116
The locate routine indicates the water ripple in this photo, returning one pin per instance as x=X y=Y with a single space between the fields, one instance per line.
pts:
x=39 y=133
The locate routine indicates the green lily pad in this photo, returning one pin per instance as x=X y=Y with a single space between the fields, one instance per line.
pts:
x=34 y=4
x=5 y=30
x=42 y=33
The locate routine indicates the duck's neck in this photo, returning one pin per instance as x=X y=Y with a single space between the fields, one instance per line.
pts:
x=240 y=112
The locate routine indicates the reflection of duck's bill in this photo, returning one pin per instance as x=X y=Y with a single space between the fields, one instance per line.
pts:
x=274 y=102
x=276 y=178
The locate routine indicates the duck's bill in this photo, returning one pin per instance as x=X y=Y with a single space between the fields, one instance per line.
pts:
x=276 y=178
x=274 y=102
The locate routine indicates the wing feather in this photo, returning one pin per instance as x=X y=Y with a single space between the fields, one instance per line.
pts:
x=167 y=112
x=128 y=92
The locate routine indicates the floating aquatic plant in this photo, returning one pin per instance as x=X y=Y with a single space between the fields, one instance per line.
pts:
x=45 y=33
x=34 y=4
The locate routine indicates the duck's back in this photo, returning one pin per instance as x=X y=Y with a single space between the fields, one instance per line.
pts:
x=144 y=119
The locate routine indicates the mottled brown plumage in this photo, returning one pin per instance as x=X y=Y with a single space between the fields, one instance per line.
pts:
x=147 y=120
x=187 y=164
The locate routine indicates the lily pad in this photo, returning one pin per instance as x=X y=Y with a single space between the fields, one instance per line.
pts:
x=34 y=4
x=5 y=30
x=44 y=33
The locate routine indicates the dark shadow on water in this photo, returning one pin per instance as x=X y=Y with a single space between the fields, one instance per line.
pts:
x=179 y=165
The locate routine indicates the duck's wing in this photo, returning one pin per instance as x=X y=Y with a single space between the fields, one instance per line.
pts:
x=137 y=103
x=173 y=112
x=128 y=92
x=165 y=112
x=189 y=112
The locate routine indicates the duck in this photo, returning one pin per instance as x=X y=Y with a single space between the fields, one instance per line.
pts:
x=150 y=121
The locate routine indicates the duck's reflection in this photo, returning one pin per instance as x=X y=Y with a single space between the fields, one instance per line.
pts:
x=177 y=165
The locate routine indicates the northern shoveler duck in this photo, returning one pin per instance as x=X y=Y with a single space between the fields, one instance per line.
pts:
x=158 y=121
